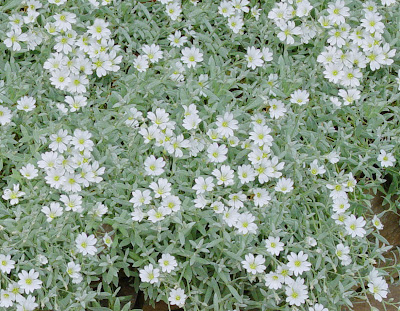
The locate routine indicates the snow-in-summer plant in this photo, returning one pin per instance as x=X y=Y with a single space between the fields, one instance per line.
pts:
x=218 y=155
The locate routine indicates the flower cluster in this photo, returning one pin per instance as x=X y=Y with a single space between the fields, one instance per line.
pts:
x=22 y=27
x=78 y=55
x=28 y=282
x=69 y=166
x=351 y=49
x=283 y=13
x=235 y=10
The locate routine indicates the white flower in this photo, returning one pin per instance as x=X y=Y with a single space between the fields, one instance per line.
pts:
x=235 y=23
x=340 y=205
x=149 y=274
x=158 y=214
x=261 y=197
x=161 y=188
x=42 y=259
x=176 y=39
x=191 y=56
x=338 y=191
x=167 y=263
x=173 y=10
x=72 y=182
x=349 y=96
x=15 y=36
x=351 y=182
x=137 y=214
x=5 y=115
x=160 y=118
x=334 y=72
x=55 y=177
x=99 y=210
x=276 y=108
x=298 y=263
x=86 y=244
x=216 y=153
x=236 y=199
x=64 y=20
x=245 y=223
x=284 y=185
x=377 y=223
x=342 y=252
x=224 y=175
x=355 y=226
x=172 y=203
x=140 y=198
x=241 y=5
x=6 y=264
x=99 y=29
x=337 y=12
x=266 y=54
x=299 y=97
x=141 y=63
x=152 y=52
x=339 y=218
x=253 y=264
x=154 y=166
x=72 y=202
x=60 y=78
x=333 y=157
x=274 y=246
x=218 y=207
x=318 y=307
x=386 y=159
x=29 y=171
x=28 y=281
x=27 y=304
x=296 y=292
x=388 y=2
x=73 y=270
x=226 y=125
x=77 y=84
x=273 y=280
x=311 y=241
x=26 y=103
x=81 y=140
x=260 y=135
x=16 y=21
x=175 y=145
x=177 y=297
x=60 y=141
x=200 y=202
x=377 y=285
x=191 y=122
x=107 y=240
x=246 y=173
x=287 y=31
x=55 y=210
x=102 y=64
x=230 y=216
x=203 y=184
x=226 y=9
x=6 y=299
x=315 y=169
x=13 y=195
x=134 y=116
x=254 y=57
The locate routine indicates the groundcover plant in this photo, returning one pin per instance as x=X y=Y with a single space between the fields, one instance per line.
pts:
x=220 y=155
